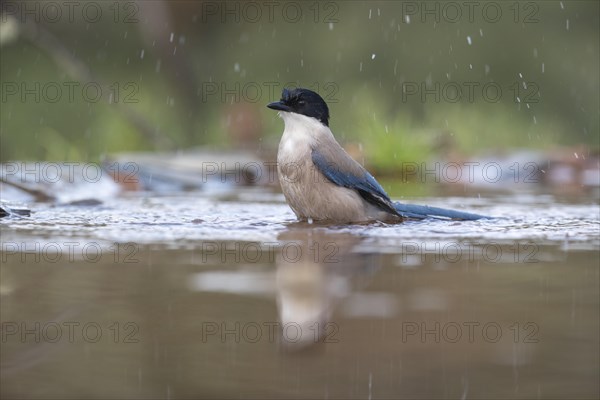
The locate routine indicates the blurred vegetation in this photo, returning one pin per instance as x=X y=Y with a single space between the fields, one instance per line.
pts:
x=170 y=56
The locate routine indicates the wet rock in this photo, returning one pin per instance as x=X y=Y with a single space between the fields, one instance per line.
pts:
x=7 y=210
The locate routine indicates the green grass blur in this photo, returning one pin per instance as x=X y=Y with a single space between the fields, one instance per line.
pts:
x=162 y=68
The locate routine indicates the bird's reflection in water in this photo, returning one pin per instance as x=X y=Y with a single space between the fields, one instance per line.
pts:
x=316 y=270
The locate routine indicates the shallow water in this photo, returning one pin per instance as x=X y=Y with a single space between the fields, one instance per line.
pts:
x=226 y=296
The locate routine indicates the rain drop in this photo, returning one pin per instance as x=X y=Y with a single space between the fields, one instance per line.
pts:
x=469 y=40
x=373 y=56
x=142 y=54
x=171 y=37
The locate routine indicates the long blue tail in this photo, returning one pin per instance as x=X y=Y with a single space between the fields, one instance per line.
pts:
x=423 y=212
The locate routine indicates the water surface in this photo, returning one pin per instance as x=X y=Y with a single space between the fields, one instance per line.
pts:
x=227 y=296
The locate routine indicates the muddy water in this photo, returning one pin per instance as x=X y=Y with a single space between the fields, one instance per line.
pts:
x=193 y=296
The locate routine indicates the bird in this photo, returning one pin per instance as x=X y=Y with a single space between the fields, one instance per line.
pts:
x=322 y=182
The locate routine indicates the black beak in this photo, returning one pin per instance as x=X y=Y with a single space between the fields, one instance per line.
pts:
x=278 y=105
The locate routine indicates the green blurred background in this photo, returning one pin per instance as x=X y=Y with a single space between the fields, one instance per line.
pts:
x=180 y=74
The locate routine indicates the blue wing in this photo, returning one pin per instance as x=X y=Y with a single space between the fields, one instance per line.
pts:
x=350 y=174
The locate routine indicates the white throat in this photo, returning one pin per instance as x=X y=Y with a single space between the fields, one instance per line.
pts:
x=300 y=135
x=296 y=122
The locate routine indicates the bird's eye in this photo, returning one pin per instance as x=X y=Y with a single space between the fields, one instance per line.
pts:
x=301 y=102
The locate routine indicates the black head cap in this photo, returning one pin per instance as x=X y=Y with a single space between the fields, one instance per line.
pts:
x=303 y=101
